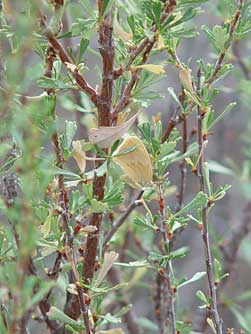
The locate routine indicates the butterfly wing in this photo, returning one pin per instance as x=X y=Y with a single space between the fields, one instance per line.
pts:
x=105 y=136
x=136 y=164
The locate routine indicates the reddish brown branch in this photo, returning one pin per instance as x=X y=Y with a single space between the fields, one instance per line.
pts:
x=222 y=55
x=126 y=96
x=80 y=80
x=145 y=42
x=66 y=60
x=107 y=52
x=147 y=45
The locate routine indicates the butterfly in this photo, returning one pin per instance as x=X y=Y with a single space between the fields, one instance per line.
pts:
x=135 y=162
x=105 y=136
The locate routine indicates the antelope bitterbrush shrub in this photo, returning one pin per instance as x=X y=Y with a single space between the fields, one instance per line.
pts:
x=104 y=191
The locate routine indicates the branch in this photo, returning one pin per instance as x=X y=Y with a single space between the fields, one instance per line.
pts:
x=145 y=42
x=167 y=316
x=229 y=250
x=104 y=107
x=123 y=218
x=173 y=121
x=80 y=306
x=236 y=51
x=147 y=45
x=66 y=60
x=205 y=236
x=125 y=98
x=222 y=55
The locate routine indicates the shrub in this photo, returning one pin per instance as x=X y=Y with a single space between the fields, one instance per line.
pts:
x=103 y=188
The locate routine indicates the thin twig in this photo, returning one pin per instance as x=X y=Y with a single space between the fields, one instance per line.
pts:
x=182 y=166
x=229 y=250
x=222 y=55
x=168 y=317
x=66 y=60
x=236 y=51
x=147 y=45
x=63 y=196
x=145 y=42
x=122 y=218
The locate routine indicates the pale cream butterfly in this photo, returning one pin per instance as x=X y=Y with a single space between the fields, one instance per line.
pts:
x=135 y=163
x=105 y=136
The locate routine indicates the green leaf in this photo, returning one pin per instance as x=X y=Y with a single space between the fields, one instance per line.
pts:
x=47 y=83
x=70 y=175
x=199 y=201
x=82 y=48
x=135 y=264
x=217 y=270
x=44 y=288
x=202 y=297
x=147 y=324
x=195 y=278
x=207 y=179
x=106 y=5
x=158 y=131
x=179 y=253
x=70 y=130
x=86 y=4
x=98 y=171
x=114 y=193
x=219 y=118
x=56 y=314
x=1 y=241
x=218 y=36
x=157 y=12
x=183 y=327
x=145 y=129
x=216 y=167
x=97 y=206
x=82 y=27
x=174 y=96
x=145 y=223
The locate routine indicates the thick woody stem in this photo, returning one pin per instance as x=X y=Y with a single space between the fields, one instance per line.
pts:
x=107 y=53
x=205 y=235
